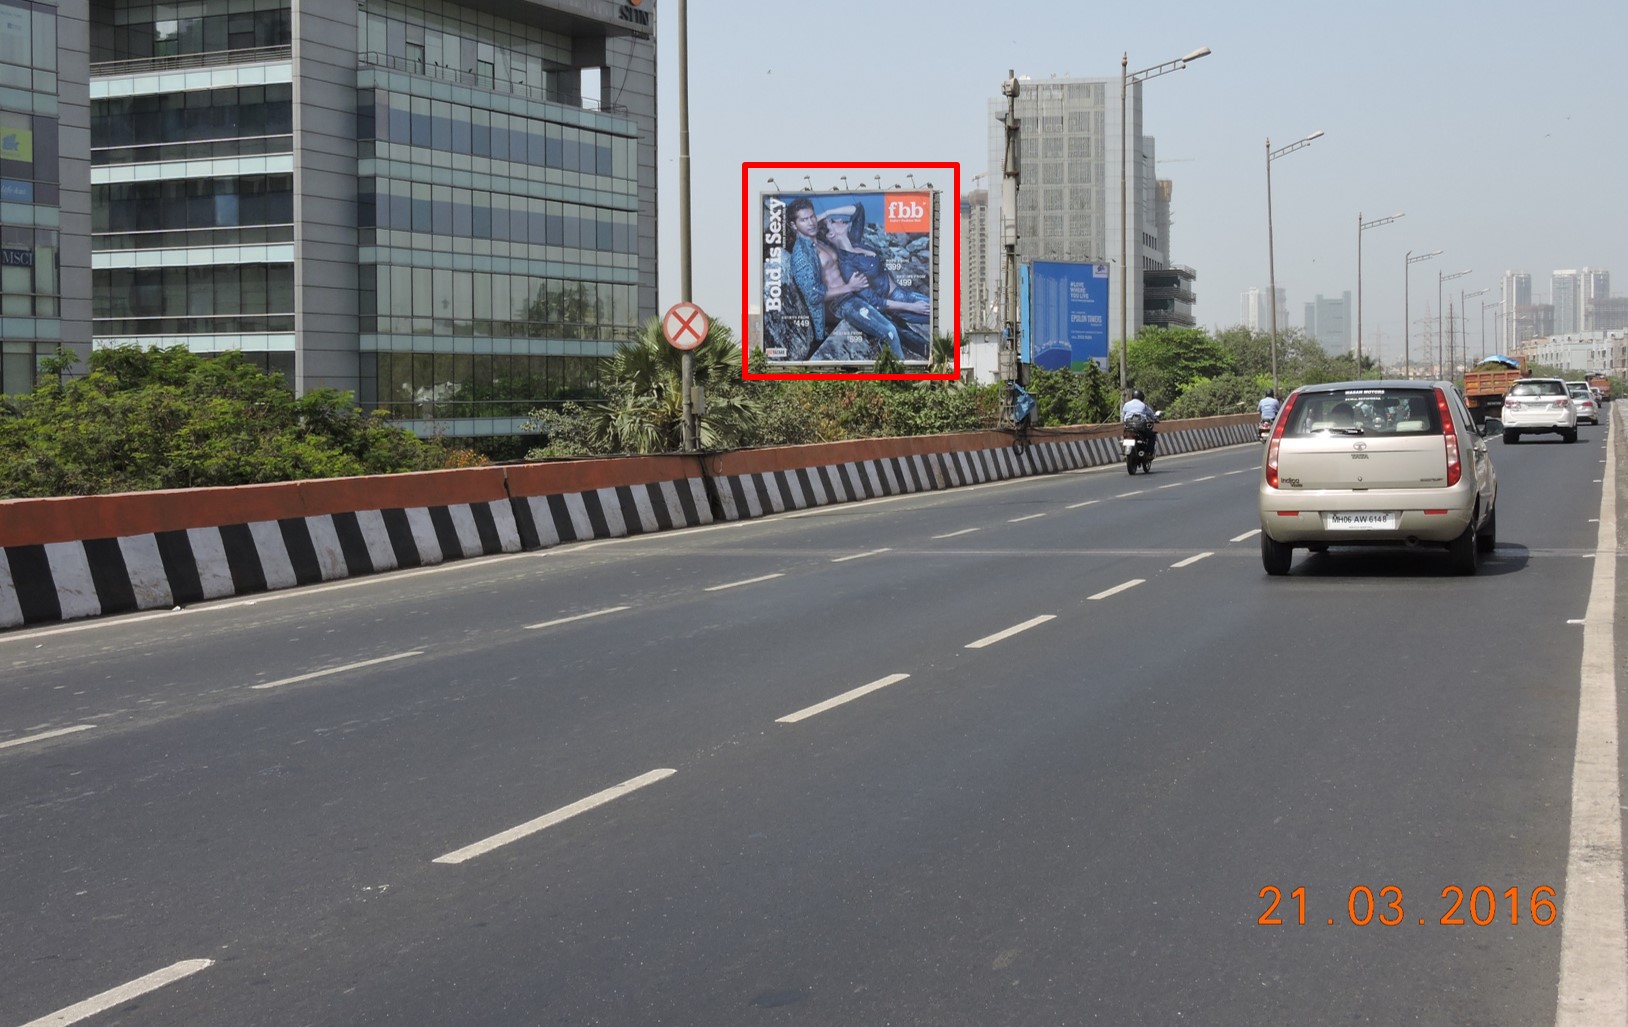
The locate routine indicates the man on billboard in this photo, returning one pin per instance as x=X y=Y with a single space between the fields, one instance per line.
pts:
x=843 y=229
x=833 y=296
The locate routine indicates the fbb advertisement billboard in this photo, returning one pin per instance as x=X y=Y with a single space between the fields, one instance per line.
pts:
x=848 y=276
x=1064 y=314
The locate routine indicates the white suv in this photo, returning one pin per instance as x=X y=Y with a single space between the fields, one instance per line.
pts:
x=1539 y=406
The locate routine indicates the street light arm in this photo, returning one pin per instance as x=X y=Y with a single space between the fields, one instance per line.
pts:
x=1292 y=147
x=1167 y=67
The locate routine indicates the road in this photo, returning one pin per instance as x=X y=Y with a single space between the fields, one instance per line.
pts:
x=1032 y=752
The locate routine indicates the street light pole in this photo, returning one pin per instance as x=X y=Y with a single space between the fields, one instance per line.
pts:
x=1271 y=257
x=688 y=429
x=1407 y=282
x=1464 y=319
x=1363 y=226
x=1127 y=79
x=1440 y=278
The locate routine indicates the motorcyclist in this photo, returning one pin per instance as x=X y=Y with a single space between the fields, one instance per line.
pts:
x=1269 y=405
x=1136 y=405
x=1139 y=417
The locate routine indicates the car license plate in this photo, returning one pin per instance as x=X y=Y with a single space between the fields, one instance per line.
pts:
x=1368 y=520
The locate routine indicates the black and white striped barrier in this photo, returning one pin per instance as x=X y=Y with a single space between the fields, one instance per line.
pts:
x=87 y=578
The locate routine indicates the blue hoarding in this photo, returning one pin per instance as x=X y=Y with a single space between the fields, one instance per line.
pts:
x=1064 y=314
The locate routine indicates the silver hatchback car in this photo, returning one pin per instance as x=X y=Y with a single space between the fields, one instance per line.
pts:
x=1377 y=463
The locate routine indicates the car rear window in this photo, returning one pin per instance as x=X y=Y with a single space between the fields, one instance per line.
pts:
x=1537 y=389
x=1368 y=411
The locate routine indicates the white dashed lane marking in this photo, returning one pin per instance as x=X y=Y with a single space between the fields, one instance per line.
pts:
x=989 y=640
x=1105 y=593
x=748 y=581
x=845 y=697
x=547 y=820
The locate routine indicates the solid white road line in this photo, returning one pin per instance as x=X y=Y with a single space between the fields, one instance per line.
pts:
x=1118 y=588
x=1593 y=932
x=43 y=735
x=963 y=531
x=861 y=556
x=1076 y=506
x=337 y=670
x=124 y=993
x=849 y=696
x=580 y=616
x=1191 y=560
x=1009 y=632
x=1245 y=535
x=1029 y=517
x=530 y=827
x=748 y=581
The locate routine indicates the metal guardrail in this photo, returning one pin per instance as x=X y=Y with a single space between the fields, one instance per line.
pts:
x=193 y=61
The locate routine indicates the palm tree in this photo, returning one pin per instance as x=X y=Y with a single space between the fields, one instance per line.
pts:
x=644 y=407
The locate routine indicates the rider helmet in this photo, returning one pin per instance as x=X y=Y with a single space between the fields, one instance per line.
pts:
x=1137 y=394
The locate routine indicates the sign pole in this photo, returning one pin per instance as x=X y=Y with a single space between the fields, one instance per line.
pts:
x=687 y=362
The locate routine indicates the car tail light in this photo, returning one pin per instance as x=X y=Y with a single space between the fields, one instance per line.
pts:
x=1455 y=470
x=1277 y=440
x=1561 y=404
x=1512 y=404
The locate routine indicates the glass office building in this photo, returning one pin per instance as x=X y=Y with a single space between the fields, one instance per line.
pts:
x=445 y=207
x=44 y=195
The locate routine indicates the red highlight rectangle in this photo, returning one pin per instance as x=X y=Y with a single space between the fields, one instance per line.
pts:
x=907 y=219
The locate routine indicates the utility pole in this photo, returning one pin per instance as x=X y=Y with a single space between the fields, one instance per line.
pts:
x=689 y=430
x=1011 y=367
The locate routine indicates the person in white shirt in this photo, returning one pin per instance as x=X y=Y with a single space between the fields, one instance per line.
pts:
x=1269 y=406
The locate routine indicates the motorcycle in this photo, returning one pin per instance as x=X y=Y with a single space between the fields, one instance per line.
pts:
x=1137 y=441
x=1265 y=430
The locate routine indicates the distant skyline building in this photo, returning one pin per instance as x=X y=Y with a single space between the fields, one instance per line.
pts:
x=1532 y=321
x=975 y=279
x=1329 y=321
x=1257 y=316
x=1068 y=200
x=1607 y=314
x=1516 y=292
x=1566 y=295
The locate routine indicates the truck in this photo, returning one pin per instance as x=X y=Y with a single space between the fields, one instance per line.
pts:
x=1596 y=380
x=1486 y=383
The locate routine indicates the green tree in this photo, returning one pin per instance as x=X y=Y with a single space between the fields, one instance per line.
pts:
x=642 y=409
x=1161 y=361
x=167 y=418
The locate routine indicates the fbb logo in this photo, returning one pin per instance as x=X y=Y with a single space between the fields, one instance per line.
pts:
x=907 y=212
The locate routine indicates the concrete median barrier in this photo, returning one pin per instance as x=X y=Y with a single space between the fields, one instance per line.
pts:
x=73 y=557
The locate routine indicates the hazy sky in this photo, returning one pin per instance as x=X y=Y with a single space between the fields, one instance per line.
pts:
x=1498 y=127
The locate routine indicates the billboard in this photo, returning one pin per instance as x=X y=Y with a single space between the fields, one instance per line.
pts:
x=848 y=276
x=1063 y=310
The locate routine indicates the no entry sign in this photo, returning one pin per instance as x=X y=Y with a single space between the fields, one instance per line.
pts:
x=685 y=325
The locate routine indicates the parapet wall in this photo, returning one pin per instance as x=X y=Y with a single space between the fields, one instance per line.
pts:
x=86 y=556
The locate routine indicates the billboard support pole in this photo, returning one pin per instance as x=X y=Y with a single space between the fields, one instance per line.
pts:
x=1011 y=344
x=687 y=361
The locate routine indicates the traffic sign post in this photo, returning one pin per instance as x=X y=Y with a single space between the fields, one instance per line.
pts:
x=686 y=326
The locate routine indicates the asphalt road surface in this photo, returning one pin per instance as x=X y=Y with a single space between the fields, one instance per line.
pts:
x=1053 y=751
